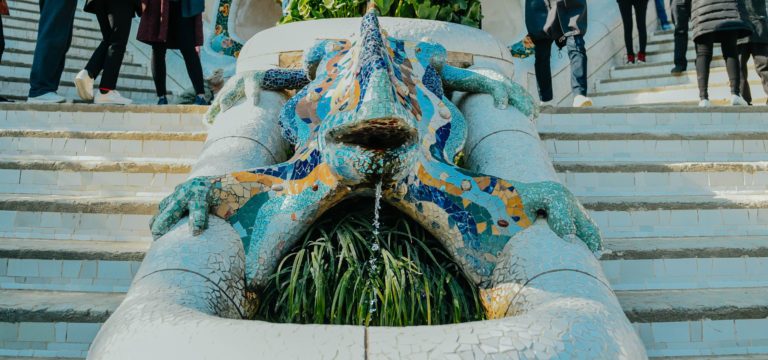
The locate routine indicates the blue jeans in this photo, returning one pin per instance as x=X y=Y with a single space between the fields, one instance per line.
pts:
x=661 y=13
x=577 y=53
x=54 y=36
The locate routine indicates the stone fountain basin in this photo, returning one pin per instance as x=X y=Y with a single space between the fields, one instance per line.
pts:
x=187 y=300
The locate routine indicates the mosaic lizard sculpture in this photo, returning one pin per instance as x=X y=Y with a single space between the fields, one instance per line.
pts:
x=367 y=111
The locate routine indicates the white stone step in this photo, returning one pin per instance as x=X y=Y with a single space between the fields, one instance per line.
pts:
x=28 y=35
x=69 y=265
x=668 y=55
x=52 y=323
x=700 y=323
x=80 y=53
x=680 y=216
x=18 y=89
x=645 y=118
x=22 y=58
x=143 y=83
x=76 y=217
x=719 y=92
x=88 y=117
x=656 y=68
x=144 y=144
x=717 y=75
x=71 y=175
x=637 y=178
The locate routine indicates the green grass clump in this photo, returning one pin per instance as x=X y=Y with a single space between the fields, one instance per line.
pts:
x=327 y=279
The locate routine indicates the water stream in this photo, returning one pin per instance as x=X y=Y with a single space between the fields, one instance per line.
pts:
x=375 y=247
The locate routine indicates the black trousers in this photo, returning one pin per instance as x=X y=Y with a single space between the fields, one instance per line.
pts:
x=704 y=59
x=681 y=15
x=577 y=53
x=759 y=53
x=182 y=30
x=54 y=35
x=115 y=23
x=2 y=39
x=625 y=8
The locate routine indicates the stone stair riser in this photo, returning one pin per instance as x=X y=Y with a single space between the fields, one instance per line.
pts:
x=657 y=68
x=718 y=75
x=659 y=150
x=681 y=223
x=67 y=275
x=74 y=226
x=705 y=337
x=110 y=119
x=93 y=183
x=28 y=48
x=669 y=120
x=686 y=273
x=101 y=147
x=18 y=88
x=47 y=339
x=719 y=93
x=664 y=183
x=19 y=58
x=23 y=24
x=128 y=82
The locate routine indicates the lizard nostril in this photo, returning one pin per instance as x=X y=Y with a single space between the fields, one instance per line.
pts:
x=378 y=134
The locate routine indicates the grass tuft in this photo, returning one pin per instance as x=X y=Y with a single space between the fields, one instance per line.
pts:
x=327 y=279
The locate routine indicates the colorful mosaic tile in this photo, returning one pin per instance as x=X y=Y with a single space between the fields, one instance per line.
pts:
x=373 y=109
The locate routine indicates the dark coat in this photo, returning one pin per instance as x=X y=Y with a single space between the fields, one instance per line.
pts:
x=95 y=6
x=153 y=28
x=758 y=16
x=555 y=19
x=711 y=17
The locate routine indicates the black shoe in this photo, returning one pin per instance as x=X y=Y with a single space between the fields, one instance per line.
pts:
x=199 y=100
x=4 y=100
x=677 y=70
x=162 y=101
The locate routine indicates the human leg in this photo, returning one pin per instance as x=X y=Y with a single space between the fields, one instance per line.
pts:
x=96 y=62
x=731 y=56
x=681 y=14
x=578 y=56
x=543 y=69
x=54 y=37
x=641 y=8
x=760 y=57
x=744 y=54
x=2 y=39
x=120 y=16
x=703 y=60
x=661 y=14
x=625 y=9
x=186 y=36
x=158 y=69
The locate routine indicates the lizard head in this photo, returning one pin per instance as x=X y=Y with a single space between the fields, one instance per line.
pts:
x=364 y=93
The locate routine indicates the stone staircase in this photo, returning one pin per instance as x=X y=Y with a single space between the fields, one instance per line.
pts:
x=681 y=196
x=78 y=185
x=20 y=31
x=652 y=83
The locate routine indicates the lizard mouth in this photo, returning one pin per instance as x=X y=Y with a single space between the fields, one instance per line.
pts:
x=378 y=134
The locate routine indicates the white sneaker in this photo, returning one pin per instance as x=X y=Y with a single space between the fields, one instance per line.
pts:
x=581 y=101
x=47 y=98
x=705 y=103
x=111 y=98
x=737 y=100
x=550 y=103
x=84 y=85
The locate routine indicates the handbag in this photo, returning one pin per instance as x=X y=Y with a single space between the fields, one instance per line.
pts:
x=4 y=8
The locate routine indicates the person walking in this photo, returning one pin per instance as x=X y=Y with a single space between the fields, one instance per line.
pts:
x=114 y=19
x=564 y=23
x=174 y=24
x=3 y=11
x=755 y=46
x=625 y=8
x=661 y=14
x=54 y=36
x=681 y=15
x=718 y=21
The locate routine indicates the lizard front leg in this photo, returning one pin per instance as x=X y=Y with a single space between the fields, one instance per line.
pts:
x=503 y=90
x=475 y=215
x=269 y=207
